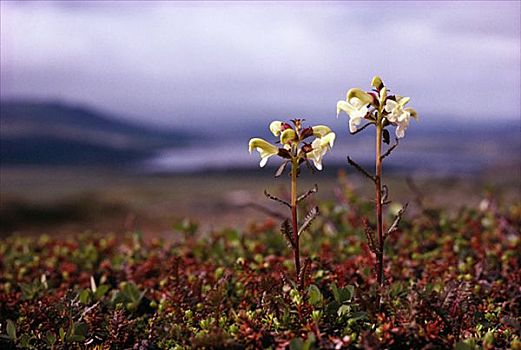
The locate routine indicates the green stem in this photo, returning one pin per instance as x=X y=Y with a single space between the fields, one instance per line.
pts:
x=378 y=190
x=294 y=223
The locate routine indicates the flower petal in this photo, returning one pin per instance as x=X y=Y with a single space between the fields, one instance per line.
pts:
x=377 y=82
x=402 y=101
x=328 y=139
x=343 y=106
x=262 y=146
x=287 y=135
x=363 y=96
x=353 y=123
x=390 y=105
x=412 y=112
x=321 y=130
x=400 y=129
x=275 y=127
x=263 y=161
x=320 y=146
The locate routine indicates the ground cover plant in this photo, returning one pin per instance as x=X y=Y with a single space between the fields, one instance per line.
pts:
x=448 y=280
x=452 y=281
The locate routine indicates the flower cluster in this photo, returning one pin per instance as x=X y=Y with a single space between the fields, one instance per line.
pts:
x=293 y=145
x=377 y=106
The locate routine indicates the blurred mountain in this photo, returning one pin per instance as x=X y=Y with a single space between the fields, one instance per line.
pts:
x=59 y=134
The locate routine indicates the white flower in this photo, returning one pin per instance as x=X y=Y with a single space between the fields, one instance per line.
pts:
x=399 y=115
x=265 y=149
x=356 y=107
x=401 y=127
x=320 y=147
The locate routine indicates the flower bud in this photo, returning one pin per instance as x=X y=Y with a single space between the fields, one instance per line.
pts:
x=377 y=83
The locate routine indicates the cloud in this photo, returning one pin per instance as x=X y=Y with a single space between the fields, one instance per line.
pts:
x=173 y=62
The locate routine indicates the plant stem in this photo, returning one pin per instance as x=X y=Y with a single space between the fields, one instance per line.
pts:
x=294 y=223
x=379 y=222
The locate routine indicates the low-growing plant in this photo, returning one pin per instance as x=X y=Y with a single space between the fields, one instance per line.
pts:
x=382 y=110
x=295 y=151
x=451 y=284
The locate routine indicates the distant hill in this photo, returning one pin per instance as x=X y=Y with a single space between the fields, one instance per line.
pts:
x=60 y=134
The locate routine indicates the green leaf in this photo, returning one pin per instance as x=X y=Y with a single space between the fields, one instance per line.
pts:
x=359 y=315
x=132 y=292
x=348 y=292
x=25 y=341
x=50 y=338
x=78 y=332
x=396 y=290
x=11 y=330
x=334 y=290
x=315 y=297
x=85 y=296
x=296 y=344
x=463 y=346
x=101 y=291
x=81 y=329
x=62 y=334
x=75 y=338
x=343 y=295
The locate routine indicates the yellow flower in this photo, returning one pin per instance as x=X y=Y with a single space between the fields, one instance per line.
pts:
x=265 y=149
x=320 y=130
x=287 y=136
x=320 y=147
x=276 y=127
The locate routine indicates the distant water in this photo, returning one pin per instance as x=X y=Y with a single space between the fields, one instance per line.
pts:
x=438 y=154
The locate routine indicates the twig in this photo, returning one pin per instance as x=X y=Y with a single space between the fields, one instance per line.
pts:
x=369 y=233
x=276 y=199
x=360 y=169
x=390 y=149
x=310 y=192
x=87 y=310
x=362 y=128
x=385 y=194
x=312 y=215
x=396 y=221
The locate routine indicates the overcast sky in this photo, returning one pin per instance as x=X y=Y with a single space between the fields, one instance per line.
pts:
x=184 y=64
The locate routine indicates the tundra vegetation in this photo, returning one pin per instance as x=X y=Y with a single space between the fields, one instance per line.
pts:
x=430 y=279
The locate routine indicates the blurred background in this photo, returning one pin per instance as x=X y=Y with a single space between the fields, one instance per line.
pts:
x=134 y=115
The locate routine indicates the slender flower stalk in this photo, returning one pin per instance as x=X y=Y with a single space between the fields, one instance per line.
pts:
x=294 y=216
x=295 y=151
x=382 y=110
x=378 y=195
